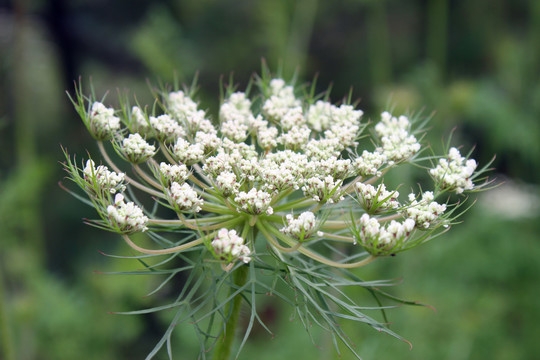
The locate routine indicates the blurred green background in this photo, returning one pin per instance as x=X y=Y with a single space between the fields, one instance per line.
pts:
x=475 y=63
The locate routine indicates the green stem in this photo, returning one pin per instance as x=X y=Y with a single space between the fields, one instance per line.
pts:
x=339 y=237
x=167 y=155
x=318 y=257
x=130 y=180
x=302 y=202
x=165 y=251
x=189 y=221
x=146 y=177
x=226 y=339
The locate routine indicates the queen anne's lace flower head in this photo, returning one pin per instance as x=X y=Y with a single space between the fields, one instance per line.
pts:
x=281 y=100
x=319 y=115
x=173 y=173
x=126 y=217
x=136 y=149
x=180 y=105
x=209 y=141
x=229 y=247
x=454 y=173
x=295 y=138
x=188 y=153
x=325 y=189
x=184 y=198
x=397 y=143
x=103 y=179
x=425 y=212
x=254 y=202
x=103 y=124
x=377 y=200
x=237 y=106
x=301 y=228
x=369 y=163
x=227 y=183
x=166 y=129
x=267 y=137
x=139 y=120
x=383 y=240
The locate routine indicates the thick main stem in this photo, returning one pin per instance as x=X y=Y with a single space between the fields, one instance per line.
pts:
x=226 y=339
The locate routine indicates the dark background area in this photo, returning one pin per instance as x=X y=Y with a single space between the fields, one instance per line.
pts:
x=476 y=64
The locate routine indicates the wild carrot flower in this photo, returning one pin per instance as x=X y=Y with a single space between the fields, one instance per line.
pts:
x=271 y=196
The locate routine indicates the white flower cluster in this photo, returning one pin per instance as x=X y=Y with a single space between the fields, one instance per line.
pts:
x=345 y=125
x=254 y=202
x=184 y=198
x=180 y=106
x=209 y=141
x=173 y=173
x=280 y=101
x=215 y=165
x=379 y=240
x=295 y=138
x=454 y=173
x=103 y=123
x=139 y=120
x=166 y=128
x=230 y=247
x=227 y=184
x=136 y=149
x=397 y=144
x=277 y=178
x=369 y=163
x=377 y=199
x=103 y=178
x=325 y=189
x=127 y=217
x=302 y=227
x=424 y=212
x=337 y=168
x=319 y=115
x=236 y=117
x=197 y=121
x=267 y=137
x=188 y=153
x=294 y=117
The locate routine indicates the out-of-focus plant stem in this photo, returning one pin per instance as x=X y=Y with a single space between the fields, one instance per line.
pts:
x=301 y=30
x=378 y=43
x=437 y=33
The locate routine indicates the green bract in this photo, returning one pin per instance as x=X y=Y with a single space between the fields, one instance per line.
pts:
x=273 y=196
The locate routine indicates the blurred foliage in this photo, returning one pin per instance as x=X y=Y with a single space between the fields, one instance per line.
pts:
x=476 y=64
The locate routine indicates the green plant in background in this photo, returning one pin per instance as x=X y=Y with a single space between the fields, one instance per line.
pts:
x=284 y=196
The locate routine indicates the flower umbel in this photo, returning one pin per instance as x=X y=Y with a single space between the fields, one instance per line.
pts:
x=271 y=199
